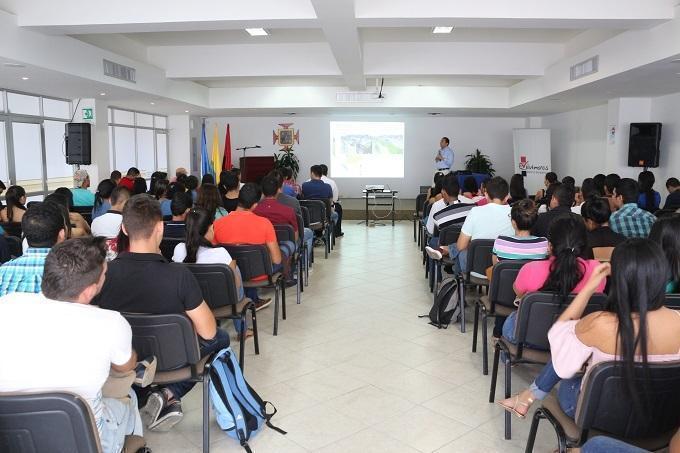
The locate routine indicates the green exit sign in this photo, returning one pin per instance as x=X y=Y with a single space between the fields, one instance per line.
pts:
x=88 y=114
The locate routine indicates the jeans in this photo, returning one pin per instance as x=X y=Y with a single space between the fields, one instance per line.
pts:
x=334 y=217
x=309 y=240
x=546 y=380
x=602 y=444
x=207 y=347
x=287 y=248
x=568 y=393
x=459 y=258
x=120 y=418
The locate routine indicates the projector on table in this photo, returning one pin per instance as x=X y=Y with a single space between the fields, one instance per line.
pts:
x=375 y=187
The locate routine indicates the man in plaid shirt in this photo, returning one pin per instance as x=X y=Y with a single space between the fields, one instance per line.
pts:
x=44 y=226
x=629 y=220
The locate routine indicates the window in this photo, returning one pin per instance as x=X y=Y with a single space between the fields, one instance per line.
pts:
x=32 y=131
x=139 y=140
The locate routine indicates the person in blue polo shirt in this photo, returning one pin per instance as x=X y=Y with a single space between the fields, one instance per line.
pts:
x=316 y=189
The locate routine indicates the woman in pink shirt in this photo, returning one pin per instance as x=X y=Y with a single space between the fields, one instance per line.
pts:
x=637 y=327
x=565 y=272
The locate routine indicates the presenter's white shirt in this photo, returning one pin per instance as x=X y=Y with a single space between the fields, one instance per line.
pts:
x=107 y=225
x=488 y=222
x=49 y=345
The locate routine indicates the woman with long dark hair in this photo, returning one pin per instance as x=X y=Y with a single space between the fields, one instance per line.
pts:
x=102 y=198
x=209 y=199
x=635 y=327
x=649 y=199
x=198 y=247
x=564 y=272
x=16 y=200
x=517 y=189
x=228 y=188
x=666 y=233
x=138 y=185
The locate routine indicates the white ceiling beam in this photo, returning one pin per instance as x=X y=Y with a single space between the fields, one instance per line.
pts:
x=337 y=21
x=623 y=14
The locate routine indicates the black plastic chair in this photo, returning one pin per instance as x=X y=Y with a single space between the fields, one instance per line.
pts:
x=168 y=247
x=535 y=316
x=12 y=229
x=47 y=422
x=318 y=221
x=218 y=285
x=418 y=213
x=255 y=261
x=673 y=301
x=448 y=235
x=604 y=408
x=499 y=302
x=306 y=223
x=478 y=261
x=172 y=339
x=304 y=251
x=286 y=233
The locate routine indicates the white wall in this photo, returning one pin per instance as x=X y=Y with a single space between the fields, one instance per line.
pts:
x=493 y=136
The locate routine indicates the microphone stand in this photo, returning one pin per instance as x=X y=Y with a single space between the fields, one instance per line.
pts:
x=244 y=149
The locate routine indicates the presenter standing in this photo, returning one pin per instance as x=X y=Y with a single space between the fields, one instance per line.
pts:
x=444 y=159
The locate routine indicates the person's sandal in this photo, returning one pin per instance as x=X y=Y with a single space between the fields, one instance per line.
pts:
x=513 y=409
x=433 y=254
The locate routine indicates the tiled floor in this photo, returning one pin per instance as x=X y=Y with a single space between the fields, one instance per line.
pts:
x=354 y=369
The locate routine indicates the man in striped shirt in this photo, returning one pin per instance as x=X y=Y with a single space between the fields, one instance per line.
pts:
x=44 y=226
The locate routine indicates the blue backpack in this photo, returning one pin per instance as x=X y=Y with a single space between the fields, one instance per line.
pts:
x=239 y=410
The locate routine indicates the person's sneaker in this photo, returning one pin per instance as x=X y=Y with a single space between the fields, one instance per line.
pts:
x=145 y=371
x=291 y=282
x=434 y=254
x=262 y=303
x=169 y=416
x=151 y=410
x=319 y=242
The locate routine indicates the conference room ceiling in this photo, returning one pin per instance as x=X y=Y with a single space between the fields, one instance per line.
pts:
x=507 y=57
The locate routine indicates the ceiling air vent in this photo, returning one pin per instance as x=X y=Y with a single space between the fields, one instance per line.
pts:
x=119 y=71
x=358 y=96
x=584 y=68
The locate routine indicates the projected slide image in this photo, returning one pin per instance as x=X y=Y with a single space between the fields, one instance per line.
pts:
x=367 y=149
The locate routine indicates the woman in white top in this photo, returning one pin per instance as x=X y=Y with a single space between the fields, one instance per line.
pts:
x=198 y=249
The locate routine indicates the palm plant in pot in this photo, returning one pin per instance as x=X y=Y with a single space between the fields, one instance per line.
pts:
x=286 y=158
x=479 y=163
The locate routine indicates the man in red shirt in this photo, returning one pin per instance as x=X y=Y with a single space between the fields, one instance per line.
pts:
x=129 y=180
x=272 y=209
x=243 y=226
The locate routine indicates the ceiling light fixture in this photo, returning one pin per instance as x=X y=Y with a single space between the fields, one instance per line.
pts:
x=102 y=94
x=441 y=30
x=257 y=32
x=153 y=103
x=186 y=111
x=24 y=78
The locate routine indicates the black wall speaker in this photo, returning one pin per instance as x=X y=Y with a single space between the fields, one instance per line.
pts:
x=643 y=146
x=78 y=144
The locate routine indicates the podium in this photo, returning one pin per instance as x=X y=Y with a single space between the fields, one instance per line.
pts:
x=254 y=168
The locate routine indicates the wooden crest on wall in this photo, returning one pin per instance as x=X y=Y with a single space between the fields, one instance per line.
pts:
x=286 y=136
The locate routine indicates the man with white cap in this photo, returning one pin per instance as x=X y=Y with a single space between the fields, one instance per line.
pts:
x=81 y=195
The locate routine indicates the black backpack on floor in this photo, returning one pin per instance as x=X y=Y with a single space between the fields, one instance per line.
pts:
x=446 y=306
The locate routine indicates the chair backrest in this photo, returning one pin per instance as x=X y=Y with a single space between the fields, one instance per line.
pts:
x=168 y=247
x=305 y=216
x=253 y=260
x=479 y=255
x=538 y=312
x=85 y=211
x=603 y=254
x=284 y=233
x=449 y=235
x=427 y=207
x=41 y=422
x=604 y=403
x=317 y=210
x=169 y=337
x=420 y=202
x=217 y=282
x=504 y=274
x=673 y=301
x=301 y=226
x=12 y=228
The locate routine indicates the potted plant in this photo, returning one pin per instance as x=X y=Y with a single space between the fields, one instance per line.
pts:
x=479 y=163
x=286 y=158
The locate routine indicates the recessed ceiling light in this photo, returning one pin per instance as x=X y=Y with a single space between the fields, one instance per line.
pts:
x=24 y=78
x=186 y=111
x=153 y=103
x=440 y=30
x=102 y=94
x=257 y=31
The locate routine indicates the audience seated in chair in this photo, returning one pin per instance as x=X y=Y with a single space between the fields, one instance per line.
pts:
x=560 y=204
x=629 y=220
x=79 y=226
x=229 y=187
x=673 y=198
x=81 y=194
x=446 y=212
x=290 y=186
x=637 y=327
x=129 y=180
x=180 y=206
x=116 y=176
x=278 y=214
x=209 y=198
x=337 y=207
x=316 y=189
x=191 y=184
x=649 y=199
x=72 y=346
x=469 y=193
x=141 y=281
x=595 y=212
x=102 y=198
x=16 y=205
x=108 y=224
x=484 y=222
x=666 y=233
x=44 y=225
x=541 y=197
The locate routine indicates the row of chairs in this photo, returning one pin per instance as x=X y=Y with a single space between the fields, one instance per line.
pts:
x=597 y=409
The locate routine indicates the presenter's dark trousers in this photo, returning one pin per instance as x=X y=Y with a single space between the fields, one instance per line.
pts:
x=338 y=224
